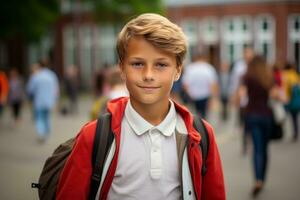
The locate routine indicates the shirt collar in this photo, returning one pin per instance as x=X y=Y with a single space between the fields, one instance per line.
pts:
x=167 y=126
x=141 y=126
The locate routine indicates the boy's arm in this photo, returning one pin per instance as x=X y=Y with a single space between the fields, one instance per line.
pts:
x=213 y=182
x=74 y=181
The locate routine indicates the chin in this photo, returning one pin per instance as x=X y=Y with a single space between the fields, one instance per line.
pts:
x=145 y=100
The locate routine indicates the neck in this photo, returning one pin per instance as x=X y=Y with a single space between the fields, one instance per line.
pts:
x=154 y=114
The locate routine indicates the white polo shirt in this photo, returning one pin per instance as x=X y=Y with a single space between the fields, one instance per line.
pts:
x=148 y=165
x=198 y=78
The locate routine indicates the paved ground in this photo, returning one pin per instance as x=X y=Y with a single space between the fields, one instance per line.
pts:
x=22 y=157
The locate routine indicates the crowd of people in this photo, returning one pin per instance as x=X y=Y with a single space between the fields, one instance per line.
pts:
x=264 y=96
x=41 y=90
x=45 y=92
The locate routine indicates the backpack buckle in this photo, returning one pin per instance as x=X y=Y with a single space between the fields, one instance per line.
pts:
x=35 y=185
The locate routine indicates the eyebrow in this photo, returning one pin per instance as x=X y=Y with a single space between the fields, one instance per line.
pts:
x=137 y=58
x=158 y=59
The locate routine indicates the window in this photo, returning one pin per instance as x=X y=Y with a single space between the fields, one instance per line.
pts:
x=210 y=28
x=265 y=51
x=45 y=45
x=86 y=55
x=231 y=26
x=297 y=25
x=264 y=42
x=40 y=49
x=231 y=52
x=190 y=28
x=294 y=40
x=208 y=31
x=265 y=25
x=69 y=45
x=105 y=49
x=236 y=33
x=245 y=26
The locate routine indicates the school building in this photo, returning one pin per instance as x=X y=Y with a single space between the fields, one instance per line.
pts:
x=223 y=27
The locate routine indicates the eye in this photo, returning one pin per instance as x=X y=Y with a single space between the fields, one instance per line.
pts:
x=137 y=64
x=161 y=65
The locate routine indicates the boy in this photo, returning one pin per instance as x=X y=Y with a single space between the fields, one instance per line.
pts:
x=155 y=153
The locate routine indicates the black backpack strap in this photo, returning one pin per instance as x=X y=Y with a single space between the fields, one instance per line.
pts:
x=204 y=143
x=103 y=140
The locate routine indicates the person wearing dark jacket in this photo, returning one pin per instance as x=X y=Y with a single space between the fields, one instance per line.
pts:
x=257 y=84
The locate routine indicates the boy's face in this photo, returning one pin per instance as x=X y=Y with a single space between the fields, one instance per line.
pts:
x=149 y=72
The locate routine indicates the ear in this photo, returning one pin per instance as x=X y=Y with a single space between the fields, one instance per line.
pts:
x=178 y=72
x=122 y=69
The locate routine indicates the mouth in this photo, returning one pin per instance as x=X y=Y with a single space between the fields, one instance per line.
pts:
x=148 y=88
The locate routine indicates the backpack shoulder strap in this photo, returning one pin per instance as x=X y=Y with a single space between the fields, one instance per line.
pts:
x=204 y=143
x=102 y=142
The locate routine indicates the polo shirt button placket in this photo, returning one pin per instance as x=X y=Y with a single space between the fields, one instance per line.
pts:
x=156 y=160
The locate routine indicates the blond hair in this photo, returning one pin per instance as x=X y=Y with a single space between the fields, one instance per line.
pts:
x=157 y=30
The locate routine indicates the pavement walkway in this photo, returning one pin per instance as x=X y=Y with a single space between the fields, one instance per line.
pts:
x=22 y=157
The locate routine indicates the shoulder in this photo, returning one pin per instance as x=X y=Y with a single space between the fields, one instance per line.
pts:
x=180 y=125
x=87 y=133
x=33 y=78
x=212 y=71
x=210 y=130
x=207 y=125
x=189 y=68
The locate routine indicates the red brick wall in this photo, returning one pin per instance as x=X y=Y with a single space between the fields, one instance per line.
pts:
x=280 y=11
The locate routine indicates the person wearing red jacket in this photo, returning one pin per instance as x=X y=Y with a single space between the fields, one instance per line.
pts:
x=3 y=90
x=155 y=153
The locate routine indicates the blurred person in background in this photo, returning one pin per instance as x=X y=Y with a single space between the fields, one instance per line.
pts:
x=176 y=90
x=278 y=75
x=200 y=82
x=3 y=90
x=16 y=94
x=277 y=105
x=117 y=88
x=43 y=86
x=238 y=71
x=292 y=89
x=257 y=84
x=116 y=82
x=71 y=86
x=224 y=84
x=240 y=68
x=34 y=68
x=100 y=84
x=100 y=90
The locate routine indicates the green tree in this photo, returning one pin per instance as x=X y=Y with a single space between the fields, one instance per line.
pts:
x=121 y=10
x=27 y=19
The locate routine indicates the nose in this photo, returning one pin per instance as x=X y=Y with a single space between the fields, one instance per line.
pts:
x=148 y=74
